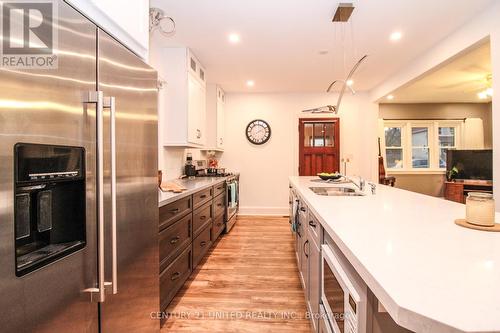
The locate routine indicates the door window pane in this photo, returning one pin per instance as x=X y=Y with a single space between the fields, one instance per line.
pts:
x=393 y=136
x=329 y=135
x=308 y=135
x=319 y=133
x=394 y=158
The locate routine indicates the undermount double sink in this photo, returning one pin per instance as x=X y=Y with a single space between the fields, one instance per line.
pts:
x=335 y=191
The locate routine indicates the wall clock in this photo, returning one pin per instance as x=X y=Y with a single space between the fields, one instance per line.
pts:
x=258 y=132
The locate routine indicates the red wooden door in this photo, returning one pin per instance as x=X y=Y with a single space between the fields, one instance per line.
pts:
x=319 y=146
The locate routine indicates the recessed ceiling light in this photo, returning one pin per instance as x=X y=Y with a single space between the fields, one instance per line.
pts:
x=234 y=38
x=396 y=35
x=250 y=83
x=349 y=82
x=390 y=97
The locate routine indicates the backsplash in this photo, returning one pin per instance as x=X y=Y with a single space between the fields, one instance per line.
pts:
x=171 y=160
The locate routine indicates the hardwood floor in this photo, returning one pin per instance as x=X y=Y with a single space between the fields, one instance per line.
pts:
x=247 y=283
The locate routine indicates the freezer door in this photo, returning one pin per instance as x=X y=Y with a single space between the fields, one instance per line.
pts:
x=45 y=106
x=133 y=84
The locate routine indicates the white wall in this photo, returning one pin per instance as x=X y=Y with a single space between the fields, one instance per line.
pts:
x=265 y=169
x=485 y=25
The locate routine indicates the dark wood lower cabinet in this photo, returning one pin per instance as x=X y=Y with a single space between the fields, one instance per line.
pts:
x=218 y=227
x=201 y=218
x=174 y=239
x=173 y=277
x=186 y=235
x=175 y=210
x=219 y=206
x=201 y=244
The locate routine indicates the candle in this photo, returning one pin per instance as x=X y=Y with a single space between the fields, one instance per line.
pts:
x=480 y=209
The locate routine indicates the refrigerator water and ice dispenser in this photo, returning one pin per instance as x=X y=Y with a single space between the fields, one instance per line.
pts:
x=49 y=204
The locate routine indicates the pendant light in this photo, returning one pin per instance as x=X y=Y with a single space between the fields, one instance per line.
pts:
x=342 y=15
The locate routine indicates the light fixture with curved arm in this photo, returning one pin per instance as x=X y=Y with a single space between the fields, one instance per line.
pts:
x=335 y=109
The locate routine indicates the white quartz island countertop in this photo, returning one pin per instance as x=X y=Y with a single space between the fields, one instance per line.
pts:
x=430 y=274
x=191 y=185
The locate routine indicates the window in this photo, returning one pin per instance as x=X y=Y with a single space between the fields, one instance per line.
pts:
x=394 y=148
x=420 y=145
x=446 y=137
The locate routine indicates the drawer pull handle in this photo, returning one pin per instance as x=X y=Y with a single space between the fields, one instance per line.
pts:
x=219 y=205
x=219 y=224
x=175 y=210
x=203 y=196
x=203 y=217
x=302 y=209
x=312 y=224
x=174 y=240
x=175 y=276
x=203 y=243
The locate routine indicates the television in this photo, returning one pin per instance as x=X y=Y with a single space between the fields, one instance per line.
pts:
x=471 y=164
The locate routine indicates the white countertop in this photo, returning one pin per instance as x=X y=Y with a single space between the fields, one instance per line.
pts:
x=430 y=274
x=193 y=185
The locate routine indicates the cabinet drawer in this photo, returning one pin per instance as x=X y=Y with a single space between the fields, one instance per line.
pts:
x=201 y=244
x=201 y=217
x=175 y=210
x=219 y=205
x=303 y=216
x=218 y=227
x=201 y=197
x=173 y=240
x=174 y=276
x=314 y=229
x=219 y=188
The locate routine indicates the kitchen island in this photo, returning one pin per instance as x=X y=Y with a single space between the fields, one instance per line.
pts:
x=430 y=274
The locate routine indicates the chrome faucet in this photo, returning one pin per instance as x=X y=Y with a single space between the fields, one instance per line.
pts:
x=373 y=186
x=360 y=185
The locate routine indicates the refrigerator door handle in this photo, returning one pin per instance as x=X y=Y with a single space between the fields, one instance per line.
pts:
x=109 y=103
x=96 y=97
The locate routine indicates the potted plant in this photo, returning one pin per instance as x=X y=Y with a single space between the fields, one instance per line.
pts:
x=451 y=174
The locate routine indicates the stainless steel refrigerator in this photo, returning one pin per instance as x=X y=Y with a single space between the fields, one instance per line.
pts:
x=78 y=188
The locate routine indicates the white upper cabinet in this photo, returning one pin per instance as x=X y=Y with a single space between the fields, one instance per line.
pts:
x=221 y=102
x=216 y=100
x=127 y=21
x=182 y=100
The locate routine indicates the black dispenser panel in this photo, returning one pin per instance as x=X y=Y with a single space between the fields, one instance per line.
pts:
x=36 y=163
x=49 y=204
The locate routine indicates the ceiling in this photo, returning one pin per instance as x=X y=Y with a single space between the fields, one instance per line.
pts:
x=459 y=80
x=283 y=41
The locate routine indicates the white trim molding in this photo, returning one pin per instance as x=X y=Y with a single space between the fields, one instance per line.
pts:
x=264 y=211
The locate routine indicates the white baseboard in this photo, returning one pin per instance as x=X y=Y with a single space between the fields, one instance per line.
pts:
x=264 y=211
